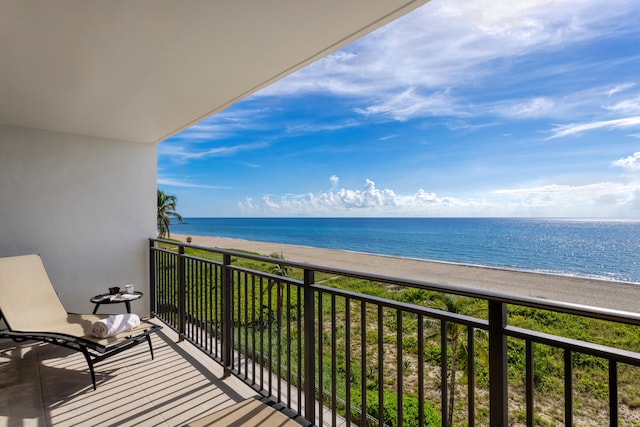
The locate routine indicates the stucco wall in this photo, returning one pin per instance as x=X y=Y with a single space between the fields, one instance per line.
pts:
x=86 y=205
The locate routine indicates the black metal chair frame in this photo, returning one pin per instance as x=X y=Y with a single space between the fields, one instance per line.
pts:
x=92 y=351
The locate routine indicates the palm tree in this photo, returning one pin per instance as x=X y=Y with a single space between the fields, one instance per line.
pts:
x=280 y=270
x=455 y=333
x=166 y=211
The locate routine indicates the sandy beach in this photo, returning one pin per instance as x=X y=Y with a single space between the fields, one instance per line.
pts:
x=576 y=290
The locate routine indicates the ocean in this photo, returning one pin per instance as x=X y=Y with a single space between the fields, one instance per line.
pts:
x=602 y=249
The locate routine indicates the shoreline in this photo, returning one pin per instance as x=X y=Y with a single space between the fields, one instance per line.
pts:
x=570 y=289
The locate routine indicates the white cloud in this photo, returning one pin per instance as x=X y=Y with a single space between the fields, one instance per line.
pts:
x=170 y=182
x=535 y=107
x=577 y=128
x=334 y=181
x=407 y=68
x=367 y=200
x=224 y=124
x=203 y=131
x=252 y=165
x=609 y=101
x=307 y=128
x=268 y=203
x=607 y=199
x=631 y=163
x=620 y=88
x=410 y=104
x=183 y=153
x=626 y=106
x=247 y=204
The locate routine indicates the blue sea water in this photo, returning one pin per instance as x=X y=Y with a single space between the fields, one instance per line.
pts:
x=604 y=249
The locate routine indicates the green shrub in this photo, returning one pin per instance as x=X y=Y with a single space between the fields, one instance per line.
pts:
x=390 y=411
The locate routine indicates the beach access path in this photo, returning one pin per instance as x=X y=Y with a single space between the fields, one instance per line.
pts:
x=575 y=290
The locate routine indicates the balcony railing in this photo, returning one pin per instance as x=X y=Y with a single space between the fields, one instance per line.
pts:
x=296 y=334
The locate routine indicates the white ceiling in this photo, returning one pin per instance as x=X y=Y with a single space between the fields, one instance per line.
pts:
x=142 y=70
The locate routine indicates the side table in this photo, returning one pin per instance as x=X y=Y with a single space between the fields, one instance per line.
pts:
x=115 y=299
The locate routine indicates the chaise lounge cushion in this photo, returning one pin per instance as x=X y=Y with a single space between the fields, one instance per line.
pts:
x=29 y=303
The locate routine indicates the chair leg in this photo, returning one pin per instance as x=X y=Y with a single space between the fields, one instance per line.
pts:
x=87 y=356
x=150 y=346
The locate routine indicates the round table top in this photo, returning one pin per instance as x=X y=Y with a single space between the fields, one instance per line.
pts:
x=116 y=298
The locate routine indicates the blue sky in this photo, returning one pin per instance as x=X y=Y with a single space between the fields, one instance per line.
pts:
x=481 y=108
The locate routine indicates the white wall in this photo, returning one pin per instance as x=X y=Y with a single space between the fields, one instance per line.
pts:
x=86 y=205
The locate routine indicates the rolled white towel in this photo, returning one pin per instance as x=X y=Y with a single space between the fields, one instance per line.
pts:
x=114 y=325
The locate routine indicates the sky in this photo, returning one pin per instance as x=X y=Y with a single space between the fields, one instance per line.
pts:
x=484 y=108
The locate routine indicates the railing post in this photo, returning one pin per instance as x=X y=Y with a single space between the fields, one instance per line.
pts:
x=309 y=348
x=182 y=294
x=153 y=302
x=498 y=410
x=227 y=319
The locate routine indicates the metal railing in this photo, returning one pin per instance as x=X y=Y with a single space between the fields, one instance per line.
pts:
x=334 y=355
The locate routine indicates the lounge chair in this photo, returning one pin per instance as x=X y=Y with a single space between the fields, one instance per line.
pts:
x=31 y=310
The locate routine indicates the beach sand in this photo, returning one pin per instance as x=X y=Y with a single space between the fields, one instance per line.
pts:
x=576 y=290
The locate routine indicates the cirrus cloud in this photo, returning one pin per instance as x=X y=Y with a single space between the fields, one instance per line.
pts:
x=578 y=128
x=409 y=67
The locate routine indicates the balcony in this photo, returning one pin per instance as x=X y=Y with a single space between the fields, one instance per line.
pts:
x=240 y=325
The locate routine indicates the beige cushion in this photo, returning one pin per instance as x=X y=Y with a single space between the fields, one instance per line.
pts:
x=27 y=298
x=30 y=304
